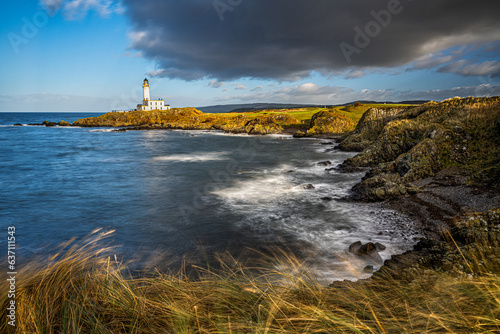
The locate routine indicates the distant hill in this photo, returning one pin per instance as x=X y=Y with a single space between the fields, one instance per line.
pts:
x=259 y=106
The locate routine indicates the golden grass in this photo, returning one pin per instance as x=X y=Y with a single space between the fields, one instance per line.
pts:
x=82 y=290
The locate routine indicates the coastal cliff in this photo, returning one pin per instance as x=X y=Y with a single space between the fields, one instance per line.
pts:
x=403 y=146
x=438 y=163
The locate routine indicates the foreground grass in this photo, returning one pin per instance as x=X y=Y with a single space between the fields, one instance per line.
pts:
x=84 y=291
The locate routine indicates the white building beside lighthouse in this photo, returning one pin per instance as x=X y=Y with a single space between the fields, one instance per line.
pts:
x=147 y=103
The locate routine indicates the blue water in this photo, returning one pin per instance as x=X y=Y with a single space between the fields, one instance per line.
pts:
x=170 y=194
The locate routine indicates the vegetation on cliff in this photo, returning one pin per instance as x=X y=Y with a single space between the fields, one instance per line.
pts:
x=84 y=291
x=406 y=145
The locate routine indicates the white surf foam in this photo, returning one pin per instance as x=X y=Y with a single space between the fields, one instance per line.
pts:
x=193 y=157
x=274 y=202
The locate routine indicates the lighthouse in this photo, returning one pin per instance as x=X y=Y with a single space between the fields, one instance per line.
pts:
x=145 y=90
x=147 y=103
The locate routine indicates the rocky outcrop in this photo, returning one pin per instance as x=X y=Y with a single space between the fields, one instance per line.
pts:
x=397 y=137
x=269 y=124
x=411 y=144
x=368 y=128
x=471 y=246
x=329 y=122
x=394 y=179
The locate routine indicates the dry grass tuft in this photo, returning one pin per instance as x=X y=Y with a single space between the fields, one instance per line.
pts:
x=82 y=290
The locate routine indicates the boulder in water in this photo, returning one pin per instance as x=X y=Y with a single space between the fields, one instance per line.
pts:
x=368 y=269
x=367 y=251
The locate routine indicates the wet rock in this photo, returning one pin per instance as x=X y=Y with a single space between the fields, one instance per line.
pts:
x=64 y=123
x=327 y=198
x=367 y=251
x=353 y=248
x=379 y=246
x=47 y=123
x=324 y=163
x=368 y=269
x=308 y=186
x=18 y=124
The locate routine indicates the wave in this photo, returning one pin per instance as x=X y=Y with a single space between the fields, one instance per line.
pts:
x=193 y=157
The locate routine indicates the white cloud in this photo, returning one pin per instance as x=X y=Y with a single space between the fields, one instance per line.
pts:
x=466 y=68
x=216 y=83
x=355 y=74
x=78 y=9
x=431 y=60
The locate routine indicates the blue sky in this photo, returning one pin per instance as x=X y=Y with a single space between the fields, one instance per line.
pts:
x=92 y=55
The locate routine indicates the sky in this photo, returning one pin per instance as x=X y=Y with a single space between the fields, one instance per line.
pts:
x=92 y=55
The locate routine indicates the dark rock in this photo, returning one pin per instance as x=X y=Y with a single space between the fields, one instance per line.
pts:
x=327 y=198
x=308 y=186
x=63 y=123
x=354 y=247
x=18 y=124
x=347 y=168
x=368 y=269
x=367 y=248
x=47 y=123
x=324 y=163
x=379 y=246
x=328 y=143
x=367 y=251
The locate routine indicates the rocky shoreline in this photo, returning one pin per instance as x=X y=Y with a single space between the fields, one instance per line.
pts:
x=439 y=165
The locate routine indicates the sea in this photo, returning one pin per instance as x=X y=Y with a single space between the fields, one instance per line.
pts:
x=171 y=197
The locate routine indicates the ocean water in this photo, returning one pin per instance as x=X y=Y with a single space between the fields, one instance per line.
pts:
x=170 y=195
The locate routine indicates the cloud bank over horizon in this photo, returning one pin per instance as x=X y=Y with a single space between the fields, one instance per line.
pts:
x=287 y=40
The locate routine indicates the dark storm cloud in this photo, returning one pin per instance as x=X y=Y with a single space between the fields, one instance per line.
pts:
x=287 y=39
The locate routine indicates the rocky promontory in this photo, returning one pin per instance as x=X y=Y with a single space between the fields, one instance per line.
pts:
x=402 y=146
x=438 y=163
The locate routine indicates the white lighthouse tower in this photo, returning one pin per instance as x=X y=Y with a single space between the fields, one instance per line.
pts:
x=145 y=90
x=147 y=103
